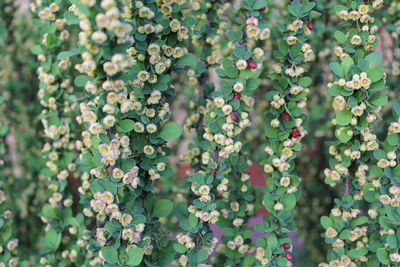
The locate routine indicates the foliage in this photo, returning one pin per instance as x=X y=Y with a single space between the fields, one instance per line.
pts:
x=131 y=132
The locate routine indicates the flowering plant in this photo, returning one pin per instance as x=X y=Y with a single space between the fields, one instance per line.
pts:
x=132 y=131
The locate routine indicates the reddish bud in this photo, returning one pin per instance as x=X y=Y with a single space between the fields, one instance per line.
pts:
x=262 y=9
x=286 y=116
x=237 y=96
x=252 y=64
x=285 y=246
x=310 y=25
x=252 y=20
x=295 y=133
x=289 y=256
x=233 y=116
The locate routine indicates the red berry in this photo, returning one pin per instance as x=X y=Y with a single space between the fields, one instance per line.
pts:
x=286 y=116
x=262 y=9
x=295 y=133
x=289 y=256
x=252 y=64
x=233 y=116
x=310 y=25
x=237 y=96
x=285 y=246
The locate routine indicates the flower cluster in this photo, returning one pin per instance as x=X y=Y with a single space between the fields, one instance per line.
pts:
x=207 y=34
x=284 y=131
x=391 y=19
x=125 y=118
x=56 y=94
x=235 y=188
x=87 y=170
x=222 y=191
x=8 y=244
x=109 y=27
x=357 y=100
x=384 y=194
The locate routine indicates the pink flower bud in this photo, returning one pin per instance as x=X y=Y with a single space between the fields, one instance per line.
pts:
x=252 y=20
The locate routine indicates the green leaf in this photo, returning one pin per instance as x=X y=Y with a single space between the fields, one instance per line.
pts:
x=370 y=196
x=283 y=47
x=344 y=234
x=396 y=172
x=393 y=139
x=343 y=137
x=71 y=18
x=340 y=37
x=232 y=72
x=372 y=263
x=283 y=82
x=110 y=255
x=378 y=100
x=84 y=9
x=188 y=22
x=268 y=201
x=248 y=73
x=288 y=201
x=248 y=261
x=271 y=132
x=23 y=264
x=252 y=84
x=352 y=102
x=81 y=80
x=235 y=35
x=392 y=241
x=338 y=8
x=70 y=53
x=379 y=154
x=376 y=74
x=383 y=256
x=314 y=14
x=374 y=59
x=135 y=256
x=53 y=238
x=193 y=220
x=186 y=60
x=347 y=63
x=48 y=211
x=272 y=241
x=37 y=49
x=344 y=117
x=334 y=90
x=259 y=4
x=396 y=107
x=171 y=131
x=337 y=69
x=242 y=52
x=125 y=126
x=375 y=171
x=295 y=9
x=360 y=221
x=282 y=262
x=51 y=39
x=326 y=222
x=202 y=255
x=305 y=81
x=163 y=82
x=179 y=248
x=307 y=8
x=163 y=208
